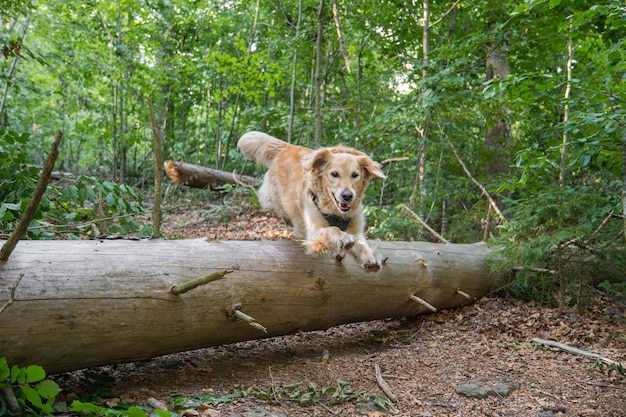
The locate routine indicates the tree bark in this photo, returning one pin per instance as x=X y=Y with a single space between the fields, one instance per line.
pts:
x=319 y=53
x=68 y=305
x=201 y=177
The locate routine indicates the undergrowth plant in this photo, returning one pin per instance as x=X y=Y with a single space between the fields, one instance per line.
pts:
x=303 y=394
x=560 y=241
x=71 y=208
x=26 y=391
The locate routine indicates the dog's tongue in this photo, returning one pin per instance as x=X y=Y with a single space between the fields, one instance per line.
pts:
x=344 y=206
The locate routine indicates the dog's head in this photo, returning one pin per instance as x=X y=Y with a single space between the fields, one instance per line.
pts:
x=338 y=178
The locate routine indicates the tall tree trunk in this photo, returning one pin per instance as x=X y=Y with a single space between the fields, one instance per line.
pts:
x=294 y=73
x=359 y=88
x=568 y=89
x=114 y=132
x=497 y=136
x=624 y=184
x=419 y=190
x=319 y=62
x=14 y=62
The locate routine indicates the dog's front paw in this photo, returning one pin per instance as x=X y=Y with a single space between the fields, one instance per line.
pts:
x=345 y=241
x=372 y=265
x=369 y=259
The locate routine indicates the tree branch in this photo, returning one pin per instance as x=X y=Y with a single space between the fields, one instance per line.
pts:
x=158 y=174
x=342 y=46
x=31 y=209
x=426 y=226
x=577 y=351
x=475 y=181
x=436 y=22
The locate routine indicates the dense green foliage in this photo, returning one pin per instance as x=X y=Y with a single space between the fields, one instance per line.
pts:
x=492 y=81
x=33 y=394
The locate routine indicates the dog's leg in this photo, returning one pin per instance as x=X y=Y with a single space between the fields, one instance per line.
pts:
x=329 y=240
x=365 y=255
x=334 y=242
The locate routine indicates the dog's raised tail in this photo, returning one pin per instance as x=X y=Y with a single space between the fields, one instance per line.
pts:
x=260 y=147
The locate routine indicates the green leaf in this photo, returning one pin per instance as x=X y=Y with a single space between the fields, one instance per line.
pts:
x=18 y=375
x=163 y=413
x=35 y=373
x=584 y=160
x=80 y=407
x=136 y=412
x=554 y=3
x=48 y=389
x=32 y=395
x=4 y=370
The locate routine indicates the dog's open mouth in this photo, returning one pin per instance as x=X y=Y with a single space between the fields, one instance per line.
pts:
x=344 y=207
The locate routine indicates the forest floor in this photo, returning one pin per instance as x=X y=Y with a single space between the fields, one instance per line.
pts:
x=425 y=360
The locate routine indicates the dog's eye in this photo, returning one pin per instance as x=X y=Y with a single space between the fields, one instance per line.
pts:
x=334 y=174
x=355 y=175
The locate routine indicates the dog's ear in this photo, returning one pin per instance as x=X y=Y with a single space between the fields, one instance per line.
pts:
x=372 y=168
x=317 y=161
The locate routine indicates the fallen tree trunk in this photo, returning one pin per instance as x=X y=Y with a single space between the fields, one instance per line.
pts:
x=196 y=176
x=73 y=304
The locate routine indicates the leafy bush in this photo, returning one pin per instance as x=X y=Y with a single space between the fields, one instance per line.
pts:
x=562 y=237
x=87 y=206
x=17 y=177
x=103 y=206
x=34 y=394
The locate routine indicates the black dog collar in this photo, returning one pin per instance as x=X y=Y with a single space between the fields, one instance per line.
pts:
x=332 y=219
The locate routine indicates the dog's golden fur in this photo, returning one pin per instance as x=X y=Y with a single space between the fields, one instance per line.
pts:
x=320 y=192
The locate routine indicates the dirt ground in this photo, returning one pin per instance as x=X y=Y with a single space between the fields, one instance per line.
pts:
x=424 y=359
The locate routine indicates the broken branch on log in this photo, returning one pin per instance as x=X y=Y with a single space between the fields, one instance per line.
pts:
x=194 y=283
x=424 y=303
x=235 y=314
x=464 y=294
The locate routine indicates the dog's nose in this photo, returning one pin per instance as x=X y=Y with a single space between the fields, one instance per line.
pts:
x=346 y=196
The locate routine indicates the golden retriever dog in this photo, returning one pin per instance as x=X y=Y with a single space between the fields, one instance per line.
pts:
x=319 y=192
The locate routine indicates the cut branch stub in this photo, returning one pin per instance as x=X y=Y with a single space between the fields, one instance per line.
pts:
x=194 y=283
x=234 y=313
x=464 y=294
x=424 y=303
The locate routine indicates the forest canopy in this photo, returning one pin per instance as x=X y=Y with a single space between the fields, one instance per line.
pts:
x=495 y=120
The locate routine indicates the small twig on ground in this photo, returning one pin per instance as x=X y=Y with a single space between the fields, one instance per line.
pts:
x=577 y=351
x=31 y=209
x=383 y=385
